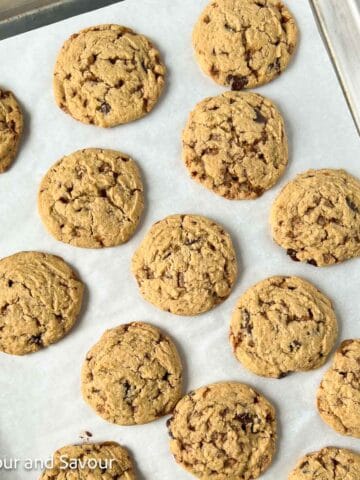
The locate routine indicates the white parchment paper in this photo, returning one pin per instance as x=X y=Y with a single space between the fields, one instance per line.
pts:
x=41 y=408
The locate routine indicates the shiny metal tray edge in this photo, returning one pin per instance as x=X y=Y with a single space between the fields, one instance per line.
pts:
x=29 y=19
x=335 y=40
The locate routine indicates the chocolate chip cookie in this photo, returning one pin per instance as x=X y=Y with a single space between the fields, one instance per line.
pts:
x=40 y=299
x=282 y=325
x=244 y=43
x=235 y=144
x=132 y=375
x=185 y=265
x=223 y=431
x=338 y=397
x=97 y=461
x=107 y=75
x=316 y=217
x=11 y=127
x=92 y=198
x=328 y=464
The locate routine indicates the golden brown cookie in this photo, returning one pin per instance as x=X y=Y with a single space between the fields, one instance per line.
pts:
x=328 y=464
x=133 y=375
x=40 y=298
x=316 y=217
x=244 y=43
x=185 y=265
x=223 y=431
x=95 y=461
x=282 y=325
x=11 y=127
x=338 y=397
x=108 y=75
x=235 y=144
x=92 y=198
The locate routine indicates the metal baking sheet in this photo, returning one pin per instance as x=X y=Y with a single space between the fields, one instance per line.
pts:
x=18 y=16
x=339 y=22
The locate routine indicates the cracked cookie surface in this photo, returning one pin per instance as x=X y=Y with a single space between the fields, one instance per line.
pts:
x=235 y=144
x=338 y=396
x=316 y=217
x=328 y=464
x=244 y=43
x=40 y=299
x=11 y=127
x=92 y=198
x=133 y=375
x=282 y=325
x=76 y=462
x=108 y=75
x=185 y=265
x=223 y=431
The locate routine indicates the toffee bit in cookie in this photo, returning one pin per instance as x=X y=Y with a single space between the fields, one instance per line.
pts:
x=237 y=83
x=352 y=205
x=105 y=108
x=292 y=254
x=312 y=262
x=275 y=66
x=259 y=117
x=36 y=339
